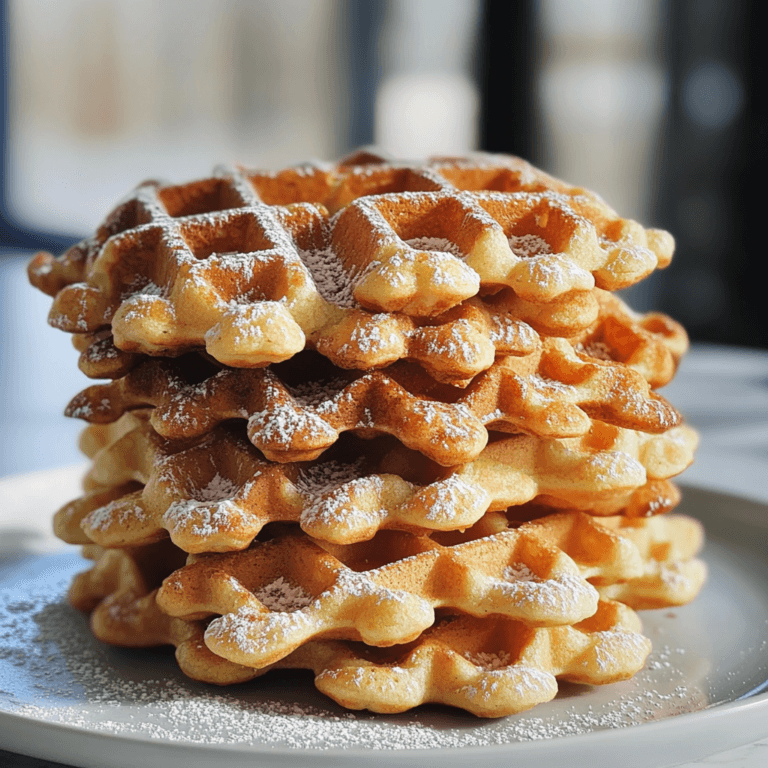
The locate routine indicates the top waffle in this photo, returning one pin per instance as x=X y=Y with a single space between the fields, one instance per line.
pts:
x=352 y=259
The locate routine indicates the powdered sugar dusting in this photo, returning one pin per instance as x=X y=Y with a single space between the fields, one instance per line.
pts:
x=200 y=518
x=331 y=279
x=611 y=467
x=116 y=512
x=283 y=596
x=489 y=660
x=317 y=394
x=337 y=507
x=327 y=475
x=513 y=334
x=282 y=422
x=527 y=246
x=440 y=244
x=520 y=572
x=211 y=509
x=527 y=680
x=559 y=595
x=617 y=645
x=54 y=671
x=217 y=489
x=456 y=343
x=673 y=574
x=450 y=496
x=371 y=338
x=255 y=633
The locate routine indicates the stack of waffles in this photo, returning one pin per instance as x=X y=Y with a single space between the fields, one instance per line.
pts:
x=383 y=421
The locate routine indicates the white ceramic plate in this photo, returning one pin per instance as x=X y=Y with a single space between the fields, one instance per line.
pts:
x=67 y=698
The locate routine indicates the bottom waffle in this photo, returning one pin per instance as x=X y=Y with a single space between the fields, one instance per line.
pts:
x=119 y=593
x=491 y=665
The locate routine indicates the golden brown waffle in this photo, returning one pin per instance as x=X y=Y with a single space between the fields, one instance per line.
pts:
x=216 y=493
x=554 y=393
x=452 y=347
x=672 y=575
x=100 y=358
x=642 y=562
x=656 y=497
x=600 y=472
x=97 y=437
x=66 y=521
x=541 y=244
x=214 y=263
x=409 y=438
x=491 y=666
x=651 y=344
x=655 y=557
x=382 y=593
x=645 y=562
x=119 y=593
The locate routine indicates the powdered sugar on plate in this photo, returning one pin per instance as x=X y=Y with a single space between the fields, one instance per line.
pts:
x=52 y=670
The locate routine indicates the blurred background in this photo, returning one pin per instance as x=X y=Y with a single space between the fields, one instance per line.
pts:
x=655 y=105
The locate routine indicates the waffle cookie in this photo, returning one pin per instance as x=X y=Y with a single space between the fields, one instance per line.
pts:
x=118 y=593
x=662 y=570
x=214 y=264
x=643 y=562
x=491 y=667
x=381 y=593
x=216 y=493
x=553 y=393
x=672 y=575
x=651 y=344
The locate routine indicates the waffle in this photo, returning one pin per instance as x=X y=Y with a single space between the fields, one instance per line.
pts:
x=382 y=593
x=216 y=493
x=254 y=275
x=553 y=393
x=452 y=347
x=644 y=562
x=621 y=556
x=656 y=497
x=382 y=421
x=100 y=358
x=97 y=437
x=651 y=344
x=542 y=244
x=655 y=563
x=672 y=575
x=492 y=666
x=600 y=472
x=119 y=593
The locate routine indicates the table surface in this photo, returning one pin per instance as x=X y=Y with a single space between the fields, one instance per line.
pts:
x=722 y=392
